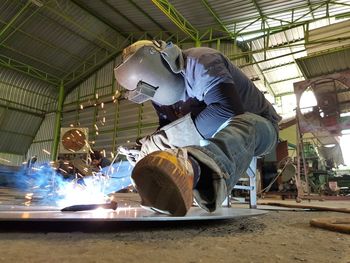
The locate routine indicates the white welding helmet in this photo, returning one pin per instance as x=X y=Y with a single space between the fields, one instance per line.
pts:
x=151 y=71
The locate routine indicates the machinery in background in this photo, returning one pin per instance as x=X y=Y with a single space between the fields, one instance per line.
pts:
x=74 y=150
x=279 y=174
x=321 y=116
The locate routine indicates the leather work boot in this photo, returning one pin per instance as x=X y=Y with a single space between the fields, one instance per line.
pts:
x=164 y=180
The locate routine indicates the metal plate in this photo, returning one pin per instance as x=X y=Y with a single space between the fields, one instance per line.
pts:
x=135 y=214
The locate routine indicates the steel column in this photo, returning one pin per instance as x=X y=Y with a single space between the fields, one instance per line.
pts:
x=56 y=134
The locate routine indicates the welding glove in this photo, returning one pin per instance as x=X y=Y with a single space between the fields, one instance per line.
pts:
x=179 y=133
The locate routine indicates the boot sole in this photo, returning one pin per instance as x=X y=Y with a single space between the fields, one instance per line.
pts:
x=162 y=184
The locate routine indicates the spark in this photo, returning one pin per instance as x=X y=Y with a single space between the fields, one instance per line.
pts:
x=102 y=105
x=96 y=132
x=46 y=151
x=96 y=127
x=62 y=170
x=96 y=96
x=29 y=196
x=81 y=106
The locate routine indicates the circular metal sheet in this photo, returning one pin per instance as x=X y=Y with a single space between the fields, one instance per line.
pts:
x=130 y=214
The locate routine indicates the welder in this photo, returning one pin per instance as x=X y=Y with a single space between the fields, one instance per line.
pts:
x=213 y=121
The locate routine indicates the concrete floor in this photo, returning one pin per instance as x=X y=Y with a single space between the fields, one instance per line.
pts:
x=279 y=236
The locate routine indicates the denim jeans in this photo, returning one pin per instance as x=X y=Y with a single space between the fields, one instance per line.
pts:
x=229 y=152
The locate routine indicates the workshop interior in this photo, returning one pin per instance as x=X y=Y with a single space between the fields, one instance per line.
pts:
x=68 y=130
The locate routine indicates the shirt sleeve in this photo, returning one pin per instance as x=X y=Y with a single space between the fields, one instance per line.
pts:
x=223 y=102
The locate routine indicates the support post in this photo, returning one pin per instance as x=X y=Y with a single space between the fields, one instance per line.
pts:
x=56 y=135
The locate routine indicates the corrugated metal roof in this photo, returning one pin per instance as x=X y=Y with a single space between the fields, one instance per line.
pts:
x=25 y=93
x=323 y=64
x=196 y=13
x=333 y=33
x=17 y=130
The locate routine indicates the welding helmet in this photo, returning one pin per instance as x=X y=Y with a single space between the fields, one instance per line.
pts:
x=150 y=70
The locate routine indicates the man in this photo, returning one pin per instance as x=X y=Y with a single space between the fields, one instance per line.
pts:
x=213 y=120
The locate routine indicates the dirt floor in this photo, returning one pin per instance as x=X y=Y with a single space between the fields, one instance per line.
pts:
x=279 y=236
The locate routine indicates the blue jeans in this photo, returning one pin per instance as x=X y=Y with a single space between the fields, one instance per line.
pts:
x=230 y=151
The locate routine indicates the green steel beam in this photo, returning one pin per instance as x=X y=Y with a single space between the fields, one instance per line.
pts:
x=2 y=40
x=294 y=21
x=147 y=15
x=283 y=80
x=266 y=83
x=110 y=6
x=90 y=11
x=73 y=22
x=26 y=90
x=56 y=136
x=92 y=63
x=312 y=14
x=28 y=70
x=285 y=94
x=277 y=66
x=181 y=22
x=41 y=115
x=311 y=11
x=24 y=54
x=50 y=45
x=291 y=10
x=13 y=20
x=213 y=13
x=269 y=59
x=258 y=9
x=95 y=107
x=75 y=33
x=17 y=133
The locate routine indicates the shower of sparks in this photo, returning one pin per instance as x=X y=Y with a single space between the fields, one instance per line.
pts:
x=48 y=184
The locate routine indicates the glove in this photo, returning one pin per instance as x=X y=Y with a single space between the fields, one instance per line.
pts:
x=179 y=133
x=132 y=155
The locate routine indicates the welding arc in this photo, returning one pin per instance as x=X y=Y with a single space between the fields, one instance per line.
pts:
x=76 y=208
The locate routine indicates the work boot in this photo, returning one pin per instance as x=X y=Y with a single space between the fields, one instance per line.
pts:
x=164 y=181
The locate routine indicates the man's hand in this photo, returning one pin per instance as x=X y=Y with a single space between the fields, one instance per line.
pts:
x=157 y=141
x=132 y=155
x=179 y=133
